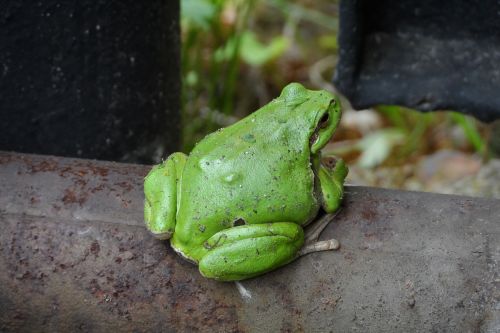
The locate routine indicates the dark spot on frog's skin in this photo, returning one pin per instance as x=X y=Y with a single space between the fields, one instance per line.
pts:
x=239 y=222
x=202 y=228
x=248 y=138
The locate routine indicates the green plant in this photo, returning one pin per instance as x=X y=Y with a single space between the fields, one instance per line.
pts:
x=469 y=127
x=237 y=55
x=221 y=43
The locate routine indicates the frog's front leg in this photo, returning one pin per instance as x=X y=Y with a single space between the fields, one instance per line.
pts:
x=249 y=250
x=331 y=174
x=161 y=187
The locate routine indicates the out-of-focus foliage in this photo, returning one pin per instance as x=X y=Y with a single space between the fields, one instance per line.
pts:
x=237 y=55
x=245 y=51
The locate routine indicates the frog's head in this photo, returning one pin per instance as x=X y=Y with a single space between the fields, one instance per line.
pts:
x=320 y=108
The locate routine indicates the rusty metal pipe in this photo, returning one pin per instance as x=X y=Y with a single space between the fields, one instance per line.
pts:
x=74 y=256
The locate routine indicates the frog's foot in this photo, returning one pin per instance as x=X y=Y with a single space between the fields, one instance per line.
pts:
x=160 y=191
x=312 y=233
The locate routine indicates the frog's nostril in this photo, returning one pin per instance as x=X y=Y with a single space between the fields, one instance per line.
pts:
x=330 y=162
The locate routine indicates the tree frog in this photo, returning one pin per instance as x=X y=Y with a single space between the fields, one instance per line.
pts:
x=237 y=205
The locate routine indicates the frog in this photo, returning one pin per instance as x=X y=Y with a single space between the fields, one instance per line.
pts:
x=238 y=204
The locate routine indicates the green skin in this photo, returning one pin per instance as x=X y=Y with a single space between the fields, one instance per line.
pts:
x=237 y=205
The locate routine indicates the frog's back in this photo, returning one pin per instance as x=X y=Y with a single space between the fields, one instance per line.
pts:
x=255 y=171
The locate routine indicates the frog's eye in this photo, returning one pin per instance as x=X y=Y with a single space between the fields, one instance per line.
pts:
x=323 y=122
x=324 y=128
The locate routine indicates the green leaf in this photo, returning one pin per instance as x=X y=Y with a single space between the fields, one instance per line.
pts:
x=251 y=50
x=376 y=147
x=470 y=130
x=328 y=42
x=395 y=115
x=255 y=53
x=191 y=78
x=226 y=51
x=198 y=12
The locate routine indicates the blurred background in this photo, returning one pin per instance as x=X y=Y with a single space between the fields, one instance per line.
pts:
x=237 y=55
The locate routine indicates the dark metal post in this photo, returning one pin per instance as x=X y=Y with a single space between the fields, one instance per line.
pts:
x=427 y=55
x=95 y=79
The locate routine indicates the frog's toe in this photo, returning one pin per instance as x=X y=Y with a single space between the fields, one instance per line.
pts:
x=162 y=235
x=326 y=245
x=314 y=230
x=312 y=233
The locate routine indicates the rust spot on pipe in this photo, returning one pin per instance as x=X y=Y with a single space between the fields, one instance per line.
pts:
x=71 y=197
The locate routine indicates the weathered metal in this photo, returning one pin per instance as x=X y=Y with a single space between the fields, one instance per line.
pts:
x=91 y=79
x=426 y=55
x=74 y=256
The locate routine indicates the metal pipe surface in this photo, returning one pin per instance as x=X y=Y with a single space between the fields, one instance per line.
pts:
x=74 y=256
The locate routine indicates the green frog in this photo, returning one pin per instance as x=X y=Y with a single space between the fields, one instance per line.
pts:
x=237 y=204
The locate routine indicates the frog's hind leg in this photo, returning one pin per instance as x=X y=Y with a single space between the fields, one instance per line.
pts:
x=331 y=174
x=249 y=250
x=312 y=233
